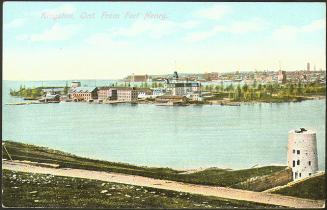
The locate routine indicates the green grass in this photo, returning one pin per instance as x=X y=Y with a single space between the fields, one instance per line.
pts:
x=212 y=176
x=313 y=188
x=22 y=189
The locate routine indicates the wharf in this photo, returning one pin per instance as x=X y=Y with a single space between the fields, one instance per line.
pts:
x=25 y=103
x=114 y=102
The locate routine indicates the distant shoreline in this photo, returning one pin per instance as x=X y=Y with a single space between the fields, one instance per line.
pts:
x=211 y=102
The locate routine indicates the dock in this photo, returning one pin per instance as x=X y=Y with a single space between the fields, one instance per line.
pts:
x=114 y=102
x=25 y=103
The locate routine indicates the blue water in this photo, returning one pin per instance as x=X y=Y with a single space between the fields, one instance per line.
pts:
x=176 y=137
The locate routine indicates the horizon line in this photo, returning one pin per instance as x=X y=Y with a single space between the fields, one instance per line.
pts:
x=245 y=71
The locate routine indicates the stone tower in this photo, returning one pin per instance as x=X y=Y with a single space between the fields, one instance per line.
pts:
x=302 y=154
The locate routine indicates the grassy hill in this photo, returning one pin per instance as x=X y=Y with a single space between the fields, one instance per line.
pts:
x=312 y=188
x=212 y=176
x=265 y=182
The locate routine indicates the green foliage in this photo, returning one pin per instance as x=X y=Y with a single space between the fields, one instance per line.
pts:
x=268 y=92
x=66 y=89
x=27 y=92
x=155 y=85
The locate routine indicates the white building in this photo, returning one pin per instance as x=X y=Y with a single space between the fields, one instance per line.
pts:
x=144 y=93
x=183 y=88
x=158 y=92
x=195 y=96
x=177 y=87
x=302 y=153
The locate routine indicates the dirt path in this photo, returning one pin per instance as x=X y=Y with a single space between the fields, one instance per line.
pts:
x=222 y=192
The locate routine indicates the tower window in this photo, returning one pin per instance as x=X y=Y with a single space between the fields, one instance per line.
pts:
x=309 y=163
x=293 y=163
x=293 y=151
x=298 y=162
x=298 y=152
x=299 y=174
x=309 y=174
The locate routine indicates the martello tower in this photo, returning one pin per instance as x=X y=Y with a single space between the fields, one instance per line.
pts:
x=302 y=154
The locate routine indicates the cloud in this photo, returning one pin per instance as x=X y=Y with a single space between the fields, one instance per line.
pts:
x=153 y=29
x=289 y=32
x=237 y=27
x=198 y=36
x=56 y=33
x=314 y=26
x=145 y=28
x=16 y=23
x=215 y=12
x=286 y=33
x=189 y=24
x=103 y=40
x=252 y=25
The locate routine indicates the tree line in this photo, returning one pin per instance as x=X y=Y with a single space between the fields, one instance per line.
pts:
x=267 y=91
x=34 y=92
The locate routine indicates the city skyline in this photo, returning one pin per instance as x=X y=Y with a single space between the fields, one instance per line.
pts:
x=53 y=41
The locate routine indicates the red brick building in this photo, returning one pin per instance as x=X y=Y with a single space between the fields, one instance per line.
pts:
x=84 y=93
x=127 y=94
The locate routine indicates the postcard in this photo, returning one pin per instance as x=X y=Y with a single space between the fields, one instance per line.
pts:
x=163 y=105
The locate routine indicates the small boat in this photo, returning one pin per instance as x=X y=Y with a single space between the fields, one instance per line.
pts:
x=172 y=104
x=165 y=104
x=181 y=104
x=230 y=104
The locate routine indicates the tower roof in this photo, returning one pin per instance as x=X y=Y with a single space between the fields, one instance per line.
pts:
x=302 y=131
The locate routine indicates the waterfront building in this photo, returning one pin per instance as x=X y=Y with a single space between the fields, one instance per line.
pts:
x=176 y=87
x=107 y=93
x=75 y=84
x=158 y=92
x=127 y=94
x=144 y=92
x=302 y=154
x=84 y=93
x=53 y=90
x=49 y=97
x=182 y=88
x=113 y=95
x=195 y=96
x=103 y=93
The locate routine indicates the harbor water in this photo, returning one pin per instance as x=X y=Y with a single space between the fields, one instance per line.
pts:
x=163 y=136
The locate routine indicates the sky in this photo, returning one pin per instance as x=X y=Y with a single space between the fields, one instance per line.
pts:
x=110 y=40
